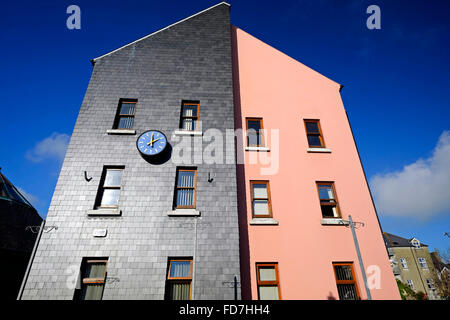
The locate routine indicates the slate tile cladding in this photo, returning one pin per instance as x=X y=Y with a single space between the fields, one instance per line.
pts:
x=189 y=61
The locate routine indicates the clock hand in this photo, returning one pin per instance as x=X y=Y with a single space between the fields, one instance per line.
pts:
x=151 y=142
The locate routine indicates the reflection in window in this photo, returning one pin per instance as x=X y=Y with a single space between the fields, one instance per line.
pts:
x=328 y=200
x=109 y=190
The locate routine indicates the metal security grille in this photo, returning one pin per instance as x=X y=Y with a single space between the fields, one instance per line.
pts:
x=345 y=281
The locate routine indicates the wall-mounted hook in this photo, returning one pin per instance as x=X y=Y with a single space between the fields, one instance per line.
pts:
x=209 y=178
x=86 y=177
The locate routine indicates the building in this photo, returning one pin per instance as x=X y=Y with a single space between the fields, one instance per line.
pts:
x=294 y=206
x=16 y=239
x=155 y=193
x=412 y=264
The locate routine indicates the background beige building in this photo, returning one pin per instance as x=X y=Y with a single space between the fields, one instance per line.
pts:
x=412 y=264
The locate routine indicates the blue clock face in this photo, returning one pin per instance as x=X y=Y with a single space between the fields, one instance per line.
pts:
x=151 y=142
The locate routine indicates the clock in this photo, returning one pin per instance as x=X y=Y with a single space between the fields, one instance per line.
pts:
x=151 y=143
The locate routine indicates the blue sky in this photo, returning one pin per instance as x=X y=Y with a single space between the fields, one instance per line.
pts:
x=395 y=87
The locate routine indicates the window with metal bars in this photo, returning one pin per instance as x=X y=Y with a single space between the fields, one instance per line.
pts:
x=179 y=279
x=185 y=189
x=314 y=134
x=345 y=281
x=125 y=114
x=190 y=113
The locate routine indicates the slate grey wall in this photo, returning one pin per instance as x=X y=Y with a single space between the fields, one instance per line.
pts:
x=192 y=61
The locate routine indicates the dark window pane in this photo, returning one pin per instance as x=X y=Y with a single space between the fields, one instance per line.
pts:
x=125 y=123
x=312 y=127
x=13 y=194
x=347 y=292
x=255 y=125
x=189 y=111
x=329 y=211
x=343 y=272
x=314 y=140
x=127 y=108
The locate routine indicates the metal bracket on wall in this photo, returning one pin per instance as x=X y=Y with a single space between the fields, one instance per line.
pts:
x=86 y=177
x=35 y=229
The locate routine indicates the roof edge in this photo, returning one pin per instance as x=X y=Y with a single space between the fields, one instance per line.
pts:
x=153 y=33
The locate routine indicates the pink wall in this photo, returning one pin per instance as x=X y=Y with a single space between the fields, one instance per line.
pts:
x=282 y=91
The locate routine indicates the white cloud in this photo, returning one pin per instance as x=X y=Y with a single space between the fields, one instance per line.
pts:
x=421 y=189
x=30 y=197
x=54 y=147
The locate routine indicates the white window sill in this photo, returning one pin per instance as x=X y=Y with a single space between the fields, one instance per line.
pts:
x=187 y=133
x=263 y=149
x=183 y=212
x=333 y=222
x=318 y=150
x=105 y=212
x=263 y=221
x=121 y=131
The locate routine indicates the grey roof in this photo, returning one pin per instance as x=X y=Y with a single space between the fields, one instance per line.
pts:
x=392 y=240
x=9 y=191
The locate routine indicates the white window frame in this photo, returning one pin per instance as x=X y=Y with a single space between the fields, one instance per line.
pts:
x=430 y=284
x=404 y=263
x=410 y=284
x=423 y=263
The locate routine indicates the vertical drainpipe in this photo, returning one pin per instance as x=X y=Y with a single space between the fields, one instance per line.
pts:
x=30 y=262
x=358 y=252
x=194 y=259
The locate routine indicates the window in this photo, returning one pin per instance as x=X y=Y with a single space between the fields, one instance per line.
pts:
x=185 y=193
x=189 y=115
x=93 y=274
x=179 y=279
x=109 y=190
x=255 y=132
x=314 y=134
x=260 y=195
x=416 y=244
x=125 y=114
x=423 y=263
x=328 y=200
x=267 y=280
x=345 y=281
x=430 y=284
x=403 y=262
x=410 y=284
